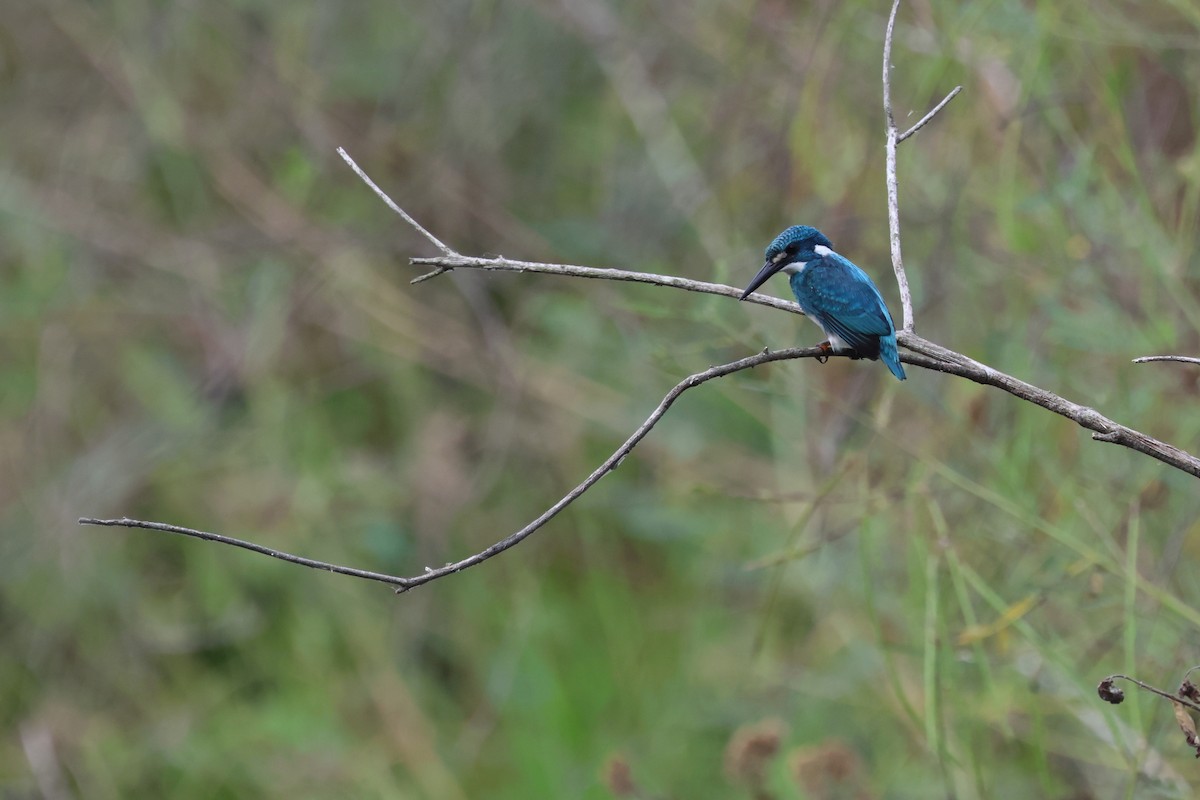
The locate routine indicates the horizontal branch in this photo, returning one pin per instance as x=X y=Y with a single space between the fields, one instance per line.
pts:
x=126 y=522
x=938 y=358
x=445 y=264
x=1181 y=359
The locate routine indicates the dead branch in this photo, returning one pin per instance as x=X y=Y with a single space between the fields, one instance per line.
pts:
x=920 y=352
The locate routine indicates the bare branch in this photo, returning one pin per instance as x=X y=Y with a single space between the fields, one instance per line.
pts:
x=893 y=191
x=888 y=35
x=614 y=460
x=894 y=137
x=1103 y=429
x=925 y=119
x=921 y=352
x=1181 y=359
x=939 y=358
x=125 y=522
x=502 y=264
x=392 y=205
x=611 y=463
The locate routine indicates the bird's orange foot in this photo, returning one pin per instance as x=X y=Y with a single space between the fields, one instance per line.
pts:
x=826 y=349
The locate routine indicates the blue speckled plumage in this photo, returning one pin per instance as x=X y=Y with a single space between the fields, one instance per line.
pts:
x=835 y=293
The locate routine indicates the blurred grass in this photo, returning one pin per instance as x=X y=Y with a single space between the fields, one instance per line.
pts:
x=810 y=581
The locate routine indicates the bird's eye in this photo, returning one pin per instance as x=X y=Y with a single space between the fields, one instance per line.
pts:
x=792 y=248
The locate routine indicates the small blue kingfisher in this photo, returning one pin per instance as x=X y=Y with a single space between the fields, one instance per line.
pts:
x=835 y=294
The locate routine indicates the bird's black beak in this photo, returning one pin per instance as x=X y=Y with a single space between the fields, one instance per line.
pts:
x=768 y=269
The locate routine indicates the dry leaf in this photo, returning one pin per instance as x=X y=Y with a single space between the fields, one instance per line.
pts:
x=1187 y=725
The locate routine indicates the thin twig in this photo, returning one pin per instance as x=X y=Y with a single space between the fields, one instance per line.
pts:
x=1176 y=698
x=893 y=190
x=925 y=119
x=611 y=463
x=888 y=35
x=390 y=204
x=502 y=264
x=125 y=522
x=1181 y=359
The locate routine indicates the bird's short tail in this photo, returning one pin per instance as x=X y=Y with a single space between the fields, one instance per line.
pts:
x=890 y=356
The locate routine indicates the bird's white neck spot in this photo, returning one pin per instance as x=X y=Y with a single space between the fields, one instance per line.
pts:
x=822 y=250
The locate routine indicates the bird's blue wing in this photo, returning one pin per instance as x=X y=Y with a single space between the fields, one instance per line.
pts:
x=842 y=299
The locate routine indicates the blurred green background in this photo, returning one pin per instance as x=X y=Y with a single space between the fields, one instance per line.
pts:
x=809 y=582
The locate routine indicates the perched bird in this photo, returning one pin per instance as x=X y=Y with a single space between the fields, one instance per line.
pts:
x=835 y=293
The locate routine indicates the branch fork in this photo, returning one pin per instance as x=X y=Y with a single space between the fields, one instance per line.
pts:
x=918 y=352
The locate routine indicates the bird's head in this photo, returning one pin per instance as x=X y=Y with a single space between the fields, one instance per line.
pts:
x=790 y=251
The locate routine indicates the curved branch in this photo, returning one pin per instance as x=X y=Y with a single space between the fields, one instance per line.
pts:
x=403 y=584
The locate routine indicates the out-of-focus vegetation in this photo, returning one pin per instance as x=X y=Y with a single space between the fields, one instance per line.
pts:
x=810 y=582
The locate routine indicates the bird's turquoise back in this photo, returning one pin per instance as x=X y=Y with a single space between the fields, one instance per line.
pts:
x=843 y=300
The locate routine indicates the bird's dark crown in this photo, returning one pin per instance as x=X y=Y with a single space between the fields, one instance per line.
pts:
x=797 y=243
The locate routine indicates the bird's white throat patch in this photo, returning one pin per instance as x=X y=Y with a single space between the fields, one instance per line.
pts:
x=794 y=267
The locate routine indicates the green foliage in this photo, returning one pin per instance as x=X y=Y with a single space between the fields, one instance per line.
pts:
x=809 y=582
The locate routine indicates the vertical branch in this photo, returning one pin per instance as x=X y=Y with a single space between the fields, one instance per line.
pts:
x=893 y=194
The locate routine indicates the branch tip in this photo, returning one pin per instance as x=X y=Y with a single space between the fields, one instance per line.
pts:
x=126 y=522
x=392 y=204
x=921 y=123
x=1180 y=359
x=429 y=275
